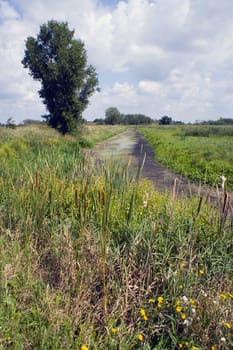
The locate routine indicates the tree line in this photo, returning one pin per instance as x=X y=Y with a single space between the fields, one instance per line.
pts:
x=113 y=117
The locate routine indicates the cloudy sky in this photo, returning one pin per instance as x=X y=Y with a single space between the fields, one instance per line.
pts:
x=156 y=57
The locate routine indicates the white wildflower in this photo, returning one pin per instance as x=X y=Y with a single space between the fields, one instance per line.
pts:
x=193 y=311
x=188 y=322
x=185 y=299
x=203 y=293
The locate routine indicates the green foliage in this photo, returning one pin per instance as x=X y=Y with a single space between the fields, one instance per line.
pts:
x=92 y=134
x=220 y=121
x=201 y=153
x=59 y=62
x=136 y=119
x=208 y=131
x=12 y=149
x=165 y=120
x=10 y=123
x=112 y=116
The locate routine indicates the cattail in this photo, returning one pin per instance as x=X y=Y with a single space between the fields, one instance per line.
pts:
x=102 y=197
x=37 y=179
x=174 y=189
x=76 y=198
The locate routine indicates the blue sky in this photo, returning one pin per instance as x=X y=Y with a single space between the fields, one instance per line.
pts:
x=110 y=2
x=157 y=57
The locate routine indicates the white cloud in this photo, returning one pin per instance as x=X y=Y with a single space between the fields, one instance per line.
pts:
x=7 y=12
x=154 y=57
x=149 y=87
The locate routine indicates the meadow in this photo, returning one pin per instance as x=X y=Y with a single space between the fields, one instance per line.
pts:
x=92 y=257
x=202 y=153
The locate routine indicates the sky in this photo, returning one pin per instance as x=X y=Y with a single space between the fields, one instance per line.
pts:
x=156 y=57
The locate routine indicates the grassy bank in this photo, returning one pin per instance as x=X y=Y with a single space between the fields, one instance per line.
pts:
x=92 y=134
x=91 y=257
x=201 y=153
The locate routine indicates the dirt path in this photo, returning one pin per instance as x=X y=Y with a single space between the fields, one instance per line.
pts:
x=132 y=145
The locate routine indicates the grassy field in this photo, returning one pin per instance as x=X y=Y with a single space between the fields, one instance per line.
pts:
x=91 y=257
x=201 y=153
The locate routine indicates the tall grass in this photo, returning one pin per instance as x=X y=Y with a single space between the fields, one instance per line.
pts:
x=202 y=130
x=87 y=262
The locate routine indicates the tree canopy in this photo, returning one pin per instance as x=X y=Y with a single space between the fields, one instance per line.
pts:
x=113 y=116
x=59 y=62
x=165 y=120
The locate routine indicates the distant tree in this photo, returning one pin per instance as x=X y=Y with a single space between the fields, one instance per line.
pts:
x=31 y=122
x=112 y=116
x=225 y=121
x=136 y=119
x=165 y=120
x=10 y=123
x=177 y=122
x=99 y=121
x=59 y=62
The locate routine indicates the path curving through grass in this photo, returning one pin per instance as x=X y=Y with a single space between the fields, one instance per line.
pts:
x=131 y=145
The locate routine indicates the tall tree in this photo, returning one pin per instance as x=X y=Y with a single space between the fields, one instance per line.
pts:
x=165 y=120
x=112 y=116
x=59 y=62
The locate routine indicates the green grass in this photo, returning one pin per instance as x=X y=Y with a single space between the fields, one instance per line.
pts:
x=91 y=256
x=201 y=153
x=92 y=134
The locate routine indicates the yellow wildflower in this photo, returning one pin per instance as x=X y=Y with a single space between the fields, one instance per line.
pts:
x=140 y=337
x=183 y=264
x=114 y=330
x=84 y=347
x=228 y=325
x=183 y=316
x=223 y=296
x=151 y=300
x=180 y=345
x=160 y=300
x=201 y=272
x=178 y=309
x=212 y=347
x=192 y=301
x=143 y=314
x=186 y=343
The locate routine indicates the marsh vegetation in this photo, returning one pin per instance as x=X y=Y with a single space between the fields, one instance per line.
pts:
x=92 y=257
